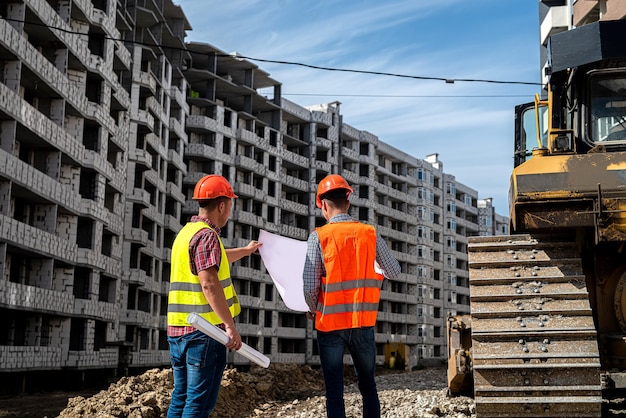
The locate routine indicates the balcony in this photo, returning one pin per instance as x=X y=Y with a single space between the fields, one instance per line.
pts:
x=176 y=159
x=250 y=219
x=136 y=235
x=139 y=196
x=323 y=166
x=323 y=142
x=291 y=333
x=123 y=54
x=153 y=177
x=174 y=191
x=397 y=318
x=250 y=191
x=400 y=236
x=156 y=108
x=402 y=256
x=96 y=310
x=36 y=240
x=141 y=157
x=250 y=164
x=201 y=123
x=93 y=209
x=142 y=117
x=99 y=113
x=31 y=298
x=294 y=158
x=299 y=208
x=27 y=358
x=350 y=154
x=398 y=297
x=393 y=213
x=147 y=80
x=177 y=127
x=351 y=177
x=294 y=232
x=201 y=151
x=247 y=136
x=294 y=182
x=178 y=97
x=149 y=358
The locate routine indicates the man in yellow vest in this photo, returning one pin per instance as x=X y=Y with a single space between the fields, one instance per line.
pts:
x=200 y=282
x=342 y=289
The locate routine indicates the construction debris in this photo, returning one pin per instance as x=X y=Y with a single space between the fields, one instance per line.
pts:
x=282 y=390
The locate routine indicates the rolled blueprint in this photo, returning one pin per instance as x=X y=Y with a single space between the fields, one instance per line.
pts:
x=220 y=336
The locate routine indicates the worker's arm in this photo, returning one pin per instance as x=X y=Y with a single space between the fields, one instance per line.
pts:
x=214 y=294
x=312 y=273
x=385 y=259
x=235 y=254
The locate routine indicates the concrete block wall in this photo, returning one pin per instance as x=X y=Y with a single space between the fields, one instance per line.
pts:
x=157 y=112
x=40 y=187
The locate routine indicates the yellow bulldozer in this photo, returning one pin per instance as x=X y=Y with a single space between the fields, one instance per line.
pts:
x=546 y=336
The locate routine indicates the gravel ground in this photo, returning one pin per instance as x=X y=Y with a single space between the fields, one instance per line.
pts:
x=287 y=391
x=417 y=394
x=282 y=390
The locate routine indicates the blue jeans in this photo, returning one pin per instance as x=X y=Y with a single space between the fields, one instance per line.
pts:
x=362 y=346
x=198 y=362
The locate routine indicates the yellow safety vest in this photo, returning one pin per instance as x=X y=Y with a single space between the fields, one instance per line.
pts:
x=185 y=295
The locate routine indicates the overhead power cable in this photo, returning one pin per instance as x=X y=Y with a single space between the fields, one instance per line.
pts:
x=410 y=96
x=417 y=77
x=282 y=62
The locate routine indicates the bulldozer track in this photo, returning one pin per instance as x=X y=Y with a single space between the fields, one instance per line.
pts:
x=534 y=346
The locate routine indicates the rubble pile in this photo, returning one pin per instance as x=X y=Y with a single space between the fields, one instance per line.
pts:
x=282 y=390
x=144 y=396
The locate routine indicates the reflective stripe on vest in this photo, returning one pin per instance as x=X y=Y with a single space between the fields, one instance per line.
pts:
x=185 y=294
x=350 y=292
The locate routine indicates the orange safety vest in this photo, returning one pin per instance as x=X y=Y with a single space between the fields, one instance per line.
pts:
x=350 y=291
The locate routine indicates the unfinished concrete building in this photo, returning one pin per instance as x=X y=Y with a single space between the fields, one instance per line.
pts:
x=64 y=134
x=109 y=119
x=92 y=137
x=154 y=177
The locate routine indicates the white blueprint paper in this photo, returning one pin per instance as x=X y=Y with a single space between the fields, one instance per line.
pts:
x=284 y=260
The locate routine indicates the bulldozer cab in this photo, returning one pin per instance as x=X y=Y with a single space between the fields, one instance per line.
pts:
x=583 y=106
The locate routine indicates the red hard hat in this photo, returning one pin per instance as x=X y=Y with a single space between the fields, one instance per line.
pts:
x=212 y=186
x=331 y=182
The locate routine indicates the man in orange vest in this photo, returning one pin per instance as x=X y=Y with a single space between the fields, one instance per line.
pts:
x=342 y=289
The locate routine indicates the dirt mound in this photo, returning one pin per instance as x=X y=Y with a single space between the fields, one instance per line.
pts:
x=148 y=395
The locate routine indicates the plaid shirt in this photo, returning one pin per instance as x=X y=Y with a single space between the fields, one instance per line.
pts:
x=204 y=247
x=314 y=268
x=204 y=253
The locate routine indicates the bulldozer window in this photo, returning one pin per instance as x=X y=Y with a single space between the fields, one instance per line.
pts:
x=529 y=128
x=608 y=108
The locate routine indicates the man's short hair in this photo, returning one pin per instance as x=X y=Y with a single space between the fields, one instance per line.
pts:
x=338 y=197
x=335 y=194
x=210 y=204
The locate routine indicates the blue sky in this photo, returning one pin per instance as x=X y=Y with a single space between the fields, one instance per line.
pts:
x=471 y=129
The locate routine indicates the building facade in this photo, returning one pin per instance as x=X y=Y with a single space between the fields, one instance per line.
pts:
x=490 y=222
x=108 y=120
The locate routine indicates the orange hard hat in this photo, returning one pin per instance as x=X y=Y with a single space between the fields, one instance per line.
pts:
x=331 y=182
x=212 y=186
